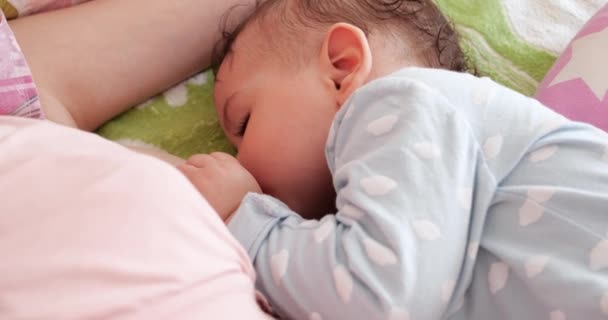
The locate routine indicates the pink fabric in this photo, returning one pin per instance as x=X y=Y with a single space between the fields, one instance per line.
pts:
x=91 y=230
x=18 y=94
x=577 y=84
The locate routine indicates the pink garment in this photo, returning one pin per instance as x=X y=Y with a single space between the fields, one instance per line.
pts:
x=577 y=85
x=18 y=94
x=91 y=230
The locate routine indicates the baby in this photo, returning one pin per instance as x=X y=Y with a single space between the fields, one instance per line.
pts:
x=438 y=195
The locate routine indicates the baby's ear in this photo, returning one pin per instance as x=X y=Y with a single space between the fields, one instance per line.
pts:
x=346 y=58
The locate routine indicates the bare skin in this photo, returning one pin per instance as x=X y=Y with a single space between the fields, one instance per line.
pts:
x=93 y=61
x=278 y=127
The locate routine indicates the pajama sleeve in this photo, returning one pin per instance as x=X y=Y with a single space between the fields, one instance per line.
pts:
x=404 y=162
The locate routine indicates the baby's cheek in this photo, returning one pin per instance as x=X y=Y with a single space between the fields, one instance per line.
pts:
x=258 y=165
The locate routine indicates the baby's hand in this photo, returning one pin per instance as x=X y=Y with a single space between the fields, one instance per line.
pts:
x=221 y=179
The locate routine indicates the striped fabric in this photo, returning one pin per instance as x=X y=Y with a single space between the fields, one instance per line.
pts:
x=18 y=95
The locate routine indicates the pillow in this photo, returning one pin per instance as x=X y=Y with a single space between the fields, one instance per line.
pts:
x=577 y=84
x=515 y=42
x=91 y=230
x=181 y=121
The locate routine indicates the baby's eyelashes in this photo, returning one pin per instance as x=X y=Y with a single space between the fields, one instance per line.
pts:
x=242 y=127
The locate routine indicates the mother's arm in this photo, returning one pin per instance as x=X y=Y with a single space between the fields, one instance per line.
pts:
x=93 y=61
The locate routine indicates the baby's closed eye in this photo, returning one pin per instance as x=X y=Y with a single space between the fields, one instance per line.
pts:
x=242 y=127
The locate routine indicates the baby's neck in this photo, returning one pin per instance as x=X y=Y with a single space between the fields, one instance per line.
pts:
x=387 y=59
x=385 y=70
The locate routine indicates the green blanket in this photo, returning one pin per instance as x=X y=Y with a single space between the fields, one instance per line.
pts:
x=503 y=39
x=181 y=121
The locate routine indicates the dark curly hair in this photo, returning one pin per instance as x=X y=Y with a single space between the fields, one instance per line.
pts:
x=418 y=22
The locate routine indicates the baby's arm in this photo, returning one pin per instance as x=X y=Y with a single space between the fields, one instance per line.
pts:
x=404 y=164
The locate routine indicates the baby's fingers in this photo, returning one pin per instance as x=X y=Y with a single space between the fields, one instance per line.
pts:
x=223 y=156
x=186 y=169
x=201 y=160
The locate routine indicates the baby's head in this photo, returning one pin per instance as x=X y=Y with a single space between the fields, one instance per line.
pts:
x=290 y=66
